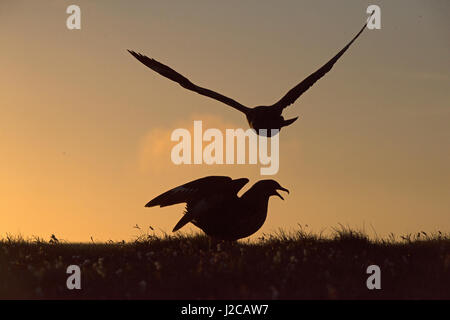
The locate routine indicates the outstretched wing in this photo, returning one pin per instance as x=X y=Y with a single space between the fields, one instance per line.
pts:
x=171 y=74
x=189 y=191
x=299 y=89
x=200 y=195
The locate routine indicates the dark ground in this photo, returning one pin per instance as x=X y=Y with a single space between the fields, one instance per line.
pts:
x=296 y=266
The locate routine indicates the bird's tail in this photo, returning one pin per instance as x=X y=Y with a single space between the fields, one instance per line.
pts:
x=288 y=122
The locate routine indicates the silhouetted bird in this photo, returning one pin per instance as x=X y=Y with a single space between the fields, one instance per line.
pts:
x=261 y=117
x=212 y=205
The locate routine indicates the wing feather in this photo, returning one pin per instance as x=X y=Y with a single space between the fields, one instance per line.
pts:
x=171 y=74
x=189 y=191
x=299 y=89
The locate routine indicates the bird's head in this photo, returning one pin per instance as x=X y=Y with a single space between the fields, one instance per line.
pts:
x=269 y=188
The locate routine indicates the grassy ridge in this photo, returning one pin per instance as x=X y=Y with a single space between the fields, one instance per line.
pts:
x=294 y=266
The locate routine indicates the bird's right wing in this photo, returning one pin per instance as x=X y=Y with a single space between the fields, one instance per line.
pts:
x=171 y=74
x=189 y=191
x=293 y=94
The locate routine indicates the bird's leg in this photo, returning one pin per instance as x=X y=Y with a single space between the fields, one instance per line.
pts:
x=219 y=245
x=226 y=245
x=213 y=243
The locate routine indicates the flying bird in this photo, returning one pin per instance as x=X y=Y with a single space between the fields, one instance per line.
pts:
x=260 y=117
x=213 y=206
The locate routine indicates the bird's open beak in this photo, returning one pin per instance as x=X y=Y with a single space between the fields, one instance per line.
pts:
x=282 y=189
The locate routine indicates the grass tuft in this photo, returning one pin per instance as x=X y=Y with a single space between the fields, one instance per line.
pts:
x=297 y=264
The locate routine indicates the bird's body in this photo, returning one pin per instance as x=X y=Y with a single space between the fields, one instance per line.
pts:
x=261 y=117
x=267 y=118
x=213 y=206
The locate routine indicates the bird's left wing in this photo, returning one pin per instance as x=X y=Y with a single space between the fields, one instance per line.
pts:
x=171 y=74
x=299 y=89
x=211 y=200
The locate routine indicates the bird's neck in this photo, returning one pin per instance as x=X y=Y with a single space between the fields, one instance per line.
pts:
x=254 y=215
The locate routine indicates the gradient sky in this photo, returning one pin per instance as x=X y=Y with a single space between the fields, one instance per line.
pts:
x=84 y=127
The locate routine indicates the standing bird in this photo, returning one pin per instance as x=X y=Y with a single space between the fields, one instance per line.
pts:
x=260 y=117
x=212 y=205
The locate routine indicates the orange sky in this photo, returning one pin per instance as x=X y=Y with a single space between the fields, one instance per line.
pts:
x=84 y=127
